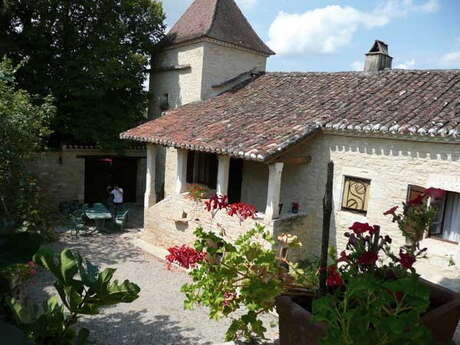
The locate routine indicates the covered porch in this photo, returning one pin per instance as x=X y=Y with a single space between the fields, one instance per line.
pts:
x=265 y=185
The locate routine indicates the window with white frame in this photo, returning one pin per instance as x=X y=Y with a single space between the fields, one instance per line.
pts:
x=447 y=223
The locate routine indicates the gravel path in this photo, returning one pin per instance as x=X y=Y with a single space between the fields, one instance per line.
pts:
x=157 y=317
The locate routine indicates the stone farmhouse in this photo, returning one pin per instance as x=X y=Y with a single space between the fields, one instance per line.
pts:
x=265 y=138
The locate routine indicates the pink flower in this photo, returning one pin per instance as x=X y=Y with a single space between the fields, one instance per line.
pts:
x=391 y=211
x=368 y=258
x=361 y=228
x=435 y=193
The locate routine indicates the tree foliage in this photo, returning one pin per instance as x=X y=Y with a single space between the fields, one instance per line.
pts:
x=24 y=122
x=90 y=55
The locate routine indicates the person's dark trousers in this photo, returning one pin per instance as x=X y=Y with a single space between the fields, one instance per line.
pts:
x=116 y=208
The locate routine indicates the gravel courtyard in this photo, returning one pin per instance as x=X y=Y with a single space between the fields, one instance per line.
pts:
x=157 y=317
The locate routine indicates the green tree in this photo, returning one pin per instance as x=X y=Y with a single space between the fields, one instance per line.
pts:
x=23 y=123
x=90 y=55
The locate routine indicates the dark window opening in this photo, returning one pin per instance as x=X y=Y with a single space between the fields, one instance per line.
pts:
x=202 y=169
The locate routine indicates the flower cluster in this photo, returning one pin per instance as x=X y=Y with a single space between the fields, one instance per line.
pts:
x=364 y=249
x=242 y=210
x=220 y=202
x=416 y=216
x=184 y=256
x=197 y=192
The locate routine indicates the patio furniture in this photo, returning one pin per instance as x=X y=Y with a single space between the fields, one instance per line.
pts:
x=79 y=224
x=97 y=212
x=121 y=218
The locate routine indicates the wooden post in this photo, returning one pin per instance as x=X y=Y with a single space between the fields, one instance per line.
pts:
x=327 y=211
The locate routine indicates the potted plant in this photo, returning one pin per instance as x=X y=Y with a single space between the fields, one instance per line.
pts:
x=246 y=274
x=373 y=295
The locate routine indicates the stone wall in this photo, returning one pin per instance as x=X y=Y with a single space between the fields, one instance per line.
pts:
x=391 y=165
x=172 y=222
x=62 y=174
x=182 y=86
x=222 y=63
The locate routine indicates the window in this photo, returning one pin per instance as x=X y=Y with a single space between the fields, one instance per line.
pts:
x=447 y=223
x=202 y=168
x=355 y=194
x=413 y=192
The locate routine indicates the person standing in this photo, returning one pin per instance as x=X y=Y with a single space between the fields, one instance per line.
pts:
x=117 y=193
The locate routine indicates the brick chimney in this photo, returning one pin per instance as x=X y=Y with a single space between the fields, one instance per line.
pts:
x=378 y=59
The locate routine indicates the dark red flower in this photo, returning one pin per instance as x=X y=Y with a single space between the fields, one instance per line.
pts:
x=435 y=193
x=184 y=256
x=368 y=258
x=407 y=260
x=391 y=211
x=333 y=277
x=361 y=228
x=418 y=200
x=216 y=202
x=343 y=257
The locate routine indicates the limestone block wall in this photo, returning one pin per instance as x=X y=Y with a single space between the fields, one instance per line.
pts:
x=222 y=63
x=62 y=174
x=182 y=86
x=173 y=220
x=391 y=165
x=254 y=186
x=62 y=182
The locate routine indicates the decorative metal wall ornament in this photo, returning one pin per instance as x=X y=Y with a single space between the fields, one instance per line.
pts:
x=355 y=194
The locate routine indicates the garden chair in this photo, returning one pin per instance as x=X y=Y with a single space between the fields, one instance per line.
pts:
x=79 y=224
x=121 y=218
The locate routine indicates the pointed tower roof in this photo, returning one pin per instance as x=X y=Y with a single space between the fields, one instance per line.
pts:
x=217 y=19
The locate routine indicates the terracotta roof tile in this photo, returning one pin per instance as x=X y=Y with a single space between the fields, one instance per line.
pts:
x=264 y=116
x=218 y=19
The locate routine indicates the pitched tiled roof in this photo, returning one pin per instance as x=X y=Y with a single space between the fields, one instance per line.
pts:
x=275 y=110
x=218 y=19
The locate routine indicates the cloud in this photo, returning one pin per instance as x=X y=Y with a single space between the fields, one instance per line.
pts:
x=325 y=30
x=451 y=59
x=357 y=66
x=409 y=64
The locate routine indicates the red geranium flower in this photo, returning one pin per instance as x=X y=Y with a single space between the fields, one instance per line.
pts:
x=435 y=193
x=418 y=200
x=184 y=256
x=242 y=210
x=368 y=258
x=216 y=202
x=333 y=277
x=391 y=211
x=361 y=228
x=407 y=260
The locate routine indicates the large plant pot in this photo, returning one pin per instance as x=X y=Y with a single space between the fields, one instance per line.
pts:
x=297 y=328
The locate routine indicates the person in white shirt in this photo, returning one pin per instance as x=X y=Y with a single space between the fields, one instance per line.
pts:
x=117 y=193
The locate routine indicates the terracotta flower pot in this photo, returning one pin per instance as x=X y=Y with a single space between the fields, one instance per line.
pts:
x=297 y=328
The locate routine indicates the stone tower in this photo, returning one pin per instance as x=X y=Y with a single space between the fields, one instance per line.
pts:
x=211 y=48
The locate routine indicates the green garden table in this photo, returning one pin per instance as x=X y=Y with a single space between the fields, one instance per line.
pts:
x=97 y=212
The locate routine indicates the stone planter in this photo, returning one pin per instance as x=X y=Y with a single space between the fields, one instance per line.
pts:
x=297 y=328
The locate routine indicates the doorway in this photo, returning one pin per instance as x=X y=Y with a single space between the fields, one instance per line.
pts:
x=235 y=180
x=101 y=172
